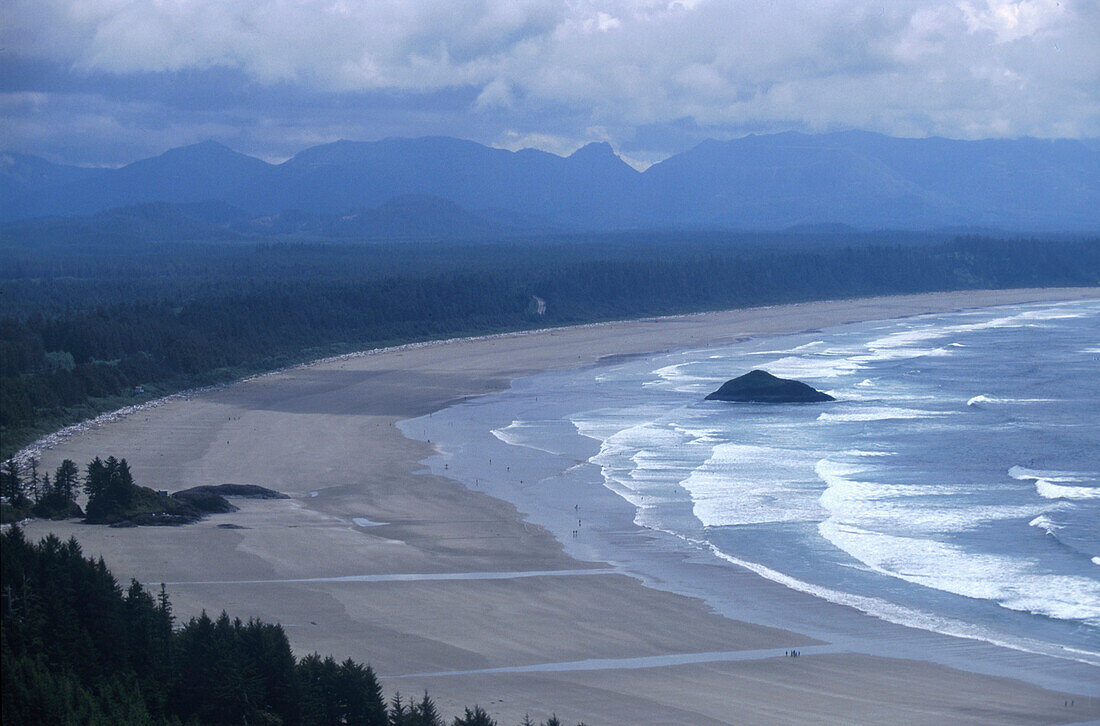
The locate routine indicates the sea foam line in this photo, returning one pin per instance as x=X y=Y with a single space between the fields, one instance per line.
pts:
x=900 y=614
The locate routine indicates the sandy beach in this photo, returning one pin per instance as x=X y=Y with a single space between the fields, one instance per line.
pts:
x=447 y=589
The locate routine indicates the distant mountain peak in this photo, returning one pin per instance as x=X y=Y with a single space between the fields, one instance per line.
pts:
x=813 y=182
x=593 y=150
x=209 y=147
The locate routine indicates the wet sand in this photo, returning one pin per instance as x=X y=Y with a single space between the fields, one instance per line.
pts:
x=502 y=596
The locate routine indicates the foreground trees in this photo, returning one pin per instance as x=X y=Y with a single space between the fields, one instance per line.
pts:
x=77 y=649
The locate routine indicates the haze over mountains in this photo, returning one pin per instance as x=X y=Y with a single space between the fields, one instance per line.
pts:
x=439 y=186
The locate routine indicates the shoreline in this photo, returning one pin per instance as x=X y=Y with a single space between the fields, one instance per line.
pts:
x=54 y=438
x=660 y=557
x=330 y=427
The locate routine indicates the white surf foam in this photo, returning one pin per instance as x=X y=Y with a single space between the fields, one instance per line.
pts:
x=1023 y=473
x=744 y=484
x=1050 y=490
x=814 y=366
x=1058 y=484
x=1010 y=582
x=894 y=613
x=880 y=413
x=1045 y=523
x=982 y=399
x=851 y=498
x=642 y=462
x=518 y=433
x=811 y=361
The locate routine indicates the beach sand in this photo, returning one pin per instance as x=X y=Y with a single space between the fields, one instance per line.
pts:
x=501 y=593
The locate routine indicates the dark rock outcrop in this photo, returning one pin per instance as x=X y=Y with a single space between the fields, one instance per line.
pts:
x=763 y=387
x=211 y=499
x=206 y=502
x=207 y=493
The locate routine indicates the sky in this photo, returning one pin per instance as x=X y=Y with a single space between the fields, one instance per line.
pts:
x=106 y=82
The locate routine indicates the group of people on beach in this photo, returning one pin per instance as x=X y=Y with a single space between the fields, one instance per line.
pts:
x=791 y=653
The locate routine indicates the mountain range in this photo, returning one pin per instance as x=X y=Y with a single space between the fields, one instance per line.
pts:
x=438 y=186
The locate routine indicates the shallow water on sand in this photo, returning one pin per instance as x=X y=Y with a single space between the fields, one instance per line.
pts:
x=954 y=486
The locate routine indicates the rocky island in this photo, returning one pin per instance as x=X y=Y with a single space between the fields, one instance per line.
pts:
x=762 y=387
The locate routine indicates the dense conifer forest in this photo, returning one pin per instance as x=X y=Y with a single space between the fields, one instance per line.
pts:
x=77 y=648
x=91 y=326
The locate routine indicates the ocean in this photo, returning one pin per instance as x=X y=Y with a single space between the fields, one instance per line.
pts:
x=953 y=487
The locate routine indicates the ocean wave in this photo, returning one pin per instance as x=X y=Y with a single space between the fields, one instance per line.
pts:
x=1023 y=473
x=1054 y=530
x=743 y=484
x=982 y=398
x=918 y=341
x=815 y=366
x=1058 y=484
x=912 y=343
x=674 y=376
x=1046 y=524
x=1013 y=583
x=874 y=505
x=788 y=351
x=901 y=615
x=642 y=461
x=1050 y=490
x=881 y=413
x=842 y=489
x=515 y=434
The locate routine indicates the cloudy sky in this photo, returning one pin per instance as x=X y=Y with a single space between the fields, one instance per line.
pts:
x=104 y=82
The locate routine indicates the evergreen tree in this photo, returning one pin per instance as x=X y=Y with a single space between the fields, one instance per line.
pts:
x=110 y=487
x=95 y=479
x=66 y=479
x=399 y=711
x=11 y=483
x=76 y=648
x=33 y=483
x=424 y=713
x=358 y=695
x=119 y=488
x=476 y=717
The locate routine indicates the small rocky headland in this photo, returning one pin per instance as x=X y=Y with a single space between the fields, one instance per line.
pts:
x=113 y=497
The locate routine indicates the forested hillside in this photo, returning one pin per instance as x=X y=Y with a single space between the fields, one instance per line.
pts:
x=90 y=328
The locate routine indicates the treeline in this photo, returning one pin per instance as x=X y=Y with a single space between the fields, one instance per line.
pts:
x=113 y=497
x=108 y=484
x=23 y=493
x=77 y=649
x=88 y=330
